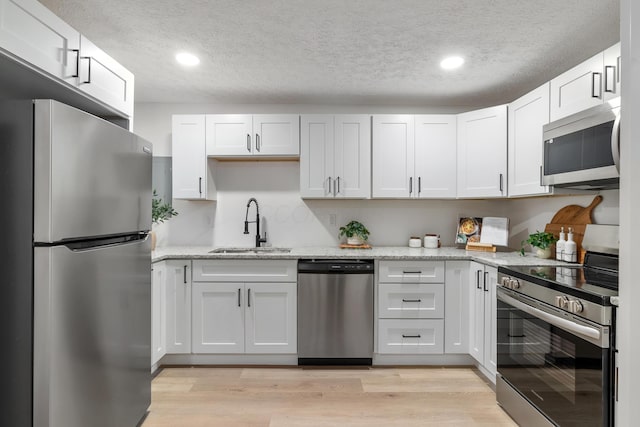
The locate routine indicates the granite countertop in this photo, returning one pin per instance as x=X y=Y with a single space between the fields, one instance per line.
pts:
x=496 y=259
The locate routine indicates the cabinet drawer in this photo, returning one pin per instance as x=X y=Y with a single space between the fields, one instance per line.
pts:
x=410 y=336
x=235 y=270
x=411 y=300
x=411 y=272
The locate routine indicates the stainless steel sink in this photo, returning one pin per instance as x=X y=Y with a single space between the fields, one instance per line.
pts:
x=269 y=250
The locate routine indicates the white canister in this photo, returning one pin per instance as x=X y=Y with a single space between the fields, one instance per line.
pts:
x=431 y=241
x=414 y=242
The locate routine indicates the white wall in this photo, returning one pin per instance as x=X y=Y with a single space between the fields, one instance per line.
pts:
x=292 y=221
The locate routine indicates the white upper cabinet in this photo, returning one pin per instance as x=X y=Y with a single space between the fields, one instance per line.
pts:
x=527 y=115
x=34 y=35
x=335 y=156
x=435 y=156
x=587 y=84
x=31 y=32
x=393 y=154
x=191 y=177
x=241 y=135
x=104 y=78
x=611 y=83
x=482 y=153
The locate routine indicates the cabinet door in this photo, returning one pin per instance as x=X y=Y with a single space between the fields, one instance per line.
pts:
x=476 y=311
x=527 y=115
x=490 y=320
x=276 y=135
x=104 y=78
x=218 y=318
x=189 y=157
x=271 y=318
x=178 y=289
x=611 y=73
x=158 y=312
x=482 y=153
x=577 y=89
x=352 y=157
x=316 y=156
x=229 y=135
x=435 y=156
x=456 y=312
x=393 y=156
x=31 y=32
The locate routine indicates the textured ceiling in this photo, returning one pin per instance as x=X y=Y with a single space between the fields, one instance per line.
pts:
x=357 y=52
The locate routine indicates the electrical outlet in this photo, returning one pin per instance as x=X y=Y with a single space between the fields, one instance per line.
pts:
x=332 y=219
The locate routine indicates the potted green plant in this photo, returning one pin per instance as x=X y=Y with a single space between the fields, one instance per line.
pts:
x=355 y=232
x=542 y=241
x=160 y=212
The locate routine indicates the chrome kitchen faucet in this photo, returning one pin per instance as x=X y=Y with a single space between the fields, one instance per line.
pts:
x=259 y=239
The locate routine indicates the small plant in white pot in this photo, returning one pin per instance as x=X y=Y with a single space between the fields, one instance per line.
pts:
x=355 y=232
x=542 y=241
x=160 y=212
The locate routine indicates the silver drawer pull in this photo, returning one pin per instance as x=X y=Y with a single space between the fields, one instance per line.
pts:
x=410 y=336
x=411 y=300
x=411 y=272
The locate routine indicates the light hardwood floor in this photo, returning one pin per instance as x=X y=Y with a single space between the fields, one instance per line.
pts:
x=278 y=397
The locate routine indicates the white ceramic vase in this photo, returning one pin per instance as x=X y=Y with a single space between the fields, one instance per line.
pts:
x=355 y=240
x=543 y=253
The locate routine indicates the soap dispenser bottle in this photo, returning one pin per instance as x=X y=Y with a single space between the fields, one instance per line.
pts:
x=570 y=248
x=560 y=245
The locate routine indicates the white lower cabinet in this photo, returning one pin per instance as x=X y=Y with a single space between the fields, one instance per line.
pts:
x=411 y=307
x=235 y=315
x=456 y=307
x=158 y=313
x=178 y=305
x=483 y=314
x=410 y=336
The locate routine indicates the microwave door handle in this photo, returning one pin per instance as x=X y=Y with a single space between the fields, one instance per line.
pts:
x=615 y=142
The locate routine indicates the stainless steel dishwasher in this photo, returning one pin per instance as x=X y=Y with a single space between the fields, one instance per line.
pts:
x=335 y=312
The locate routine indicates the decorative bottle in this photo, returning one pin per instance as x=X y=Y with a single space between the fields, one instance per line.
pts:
x=570 y=248
x=560 y=245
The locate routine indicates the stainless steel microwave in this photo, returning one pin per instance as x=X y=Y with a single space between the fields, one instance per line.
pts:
x=582 y=151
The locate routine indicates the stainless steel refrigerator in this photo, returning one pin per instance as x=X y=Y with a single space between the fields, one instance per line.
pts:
x=75 y=194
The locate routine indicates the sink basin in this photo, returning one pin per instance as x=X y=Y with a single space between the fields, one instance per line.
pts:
x=270 y=250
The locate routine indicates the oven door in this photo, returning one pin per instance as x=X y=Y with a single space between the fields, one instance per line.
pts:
x=556 y=362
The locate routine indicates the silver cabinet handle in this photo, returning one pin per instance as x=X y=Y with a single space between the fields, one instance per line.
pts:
x=88 y=81
x=618 y=70
x=77 y=51
x=541 y=184
x=335 y=186
x=329 y=185
x=184 y=274
x=248 y=143
x=249 y=297
x=615 y=143
x=595 y=94
x=411 y=300
x=257 y=142
x=411 y=336
x=486 y=273
x=411 y=272
x=200 y=185
x=239 y=301
x=607 y=69
x=338 y=181
x=410 y=184
x=478 y=278
x=501 y=183
x=419 y=185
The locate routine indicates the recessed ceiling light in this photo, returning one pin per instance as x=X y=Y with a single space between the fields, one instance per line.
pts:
x=452 y=62
x=187 y=59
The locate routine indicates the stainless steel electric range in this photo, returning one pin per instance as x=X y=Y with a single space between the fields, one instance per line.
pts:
x=556 y=340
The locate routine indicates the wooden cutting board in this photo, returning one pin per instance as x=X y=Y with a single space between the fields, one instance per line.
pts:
x=576 y=214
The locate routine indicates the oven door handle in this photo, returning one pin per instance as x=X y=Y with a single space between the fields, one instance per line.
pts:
x=588 y=333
